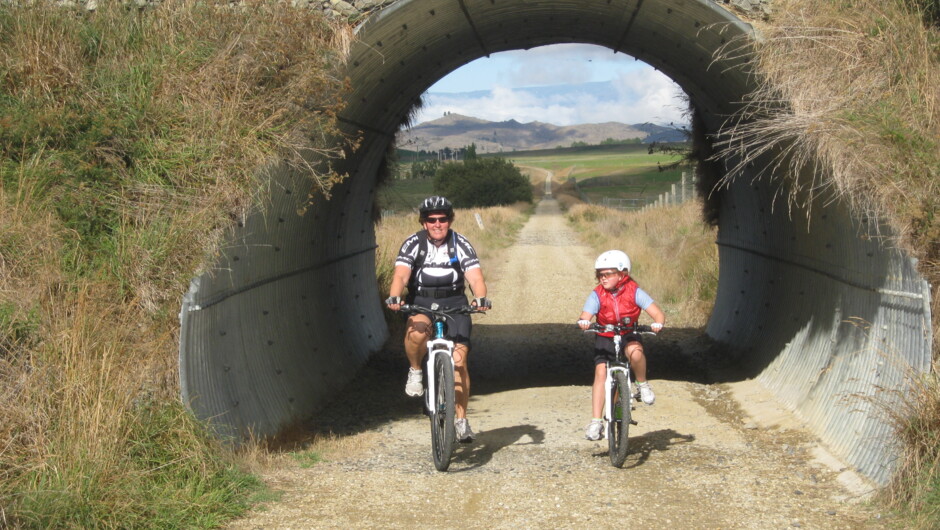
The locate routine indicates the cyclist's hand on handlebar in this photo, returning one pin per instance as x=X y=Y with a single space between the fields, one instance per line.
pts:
x=584 y=324
x=482 y=303
x=393 y=303
x=656 y=327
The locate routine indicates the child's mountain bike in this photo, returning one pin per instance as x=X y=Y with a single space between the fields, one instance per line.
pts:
x=619 y=390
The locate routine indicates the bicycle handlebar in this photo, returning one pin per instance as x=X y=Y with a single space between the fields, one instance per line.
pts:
x=441 y=312
x=620 y=329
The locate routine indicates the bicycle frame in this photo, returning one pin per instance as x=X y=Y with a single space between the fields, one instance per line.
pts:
x=620 y=364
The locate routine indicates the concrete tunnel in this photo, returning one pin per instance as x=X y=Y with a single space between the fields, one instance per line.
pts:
x=289 y=311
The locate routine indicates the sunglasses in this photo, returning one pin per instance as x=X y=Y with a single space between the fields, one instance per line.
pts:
x=436 y=220
x=606 y=274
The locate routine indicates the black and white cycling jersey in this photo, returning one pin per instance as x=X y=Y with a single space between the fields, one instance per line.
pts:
x=438 y=271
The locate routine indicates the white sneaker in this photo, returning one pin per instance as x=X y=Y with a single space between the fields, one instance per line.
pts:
x=646 y=393
x=595 y=430
x=415 y=386
x=464 y=434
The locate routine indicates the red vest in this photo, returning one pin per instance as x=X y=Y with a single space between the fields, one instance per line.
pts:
x=617 y=304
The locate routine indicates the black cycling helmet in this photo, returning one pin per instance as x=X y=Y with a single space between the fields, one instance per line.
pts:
x=436 y=204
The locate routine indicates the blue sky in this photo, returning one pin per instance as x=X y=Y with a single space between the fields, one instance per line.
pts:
x=590 y=84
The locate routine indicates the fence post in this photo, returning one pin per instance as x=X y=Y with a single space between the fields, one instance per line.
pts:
x=683 y=186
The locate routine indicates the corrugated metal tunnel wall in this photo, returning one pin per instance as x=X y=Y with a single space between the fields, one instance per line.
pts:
x=823 y=312
x=290 y=310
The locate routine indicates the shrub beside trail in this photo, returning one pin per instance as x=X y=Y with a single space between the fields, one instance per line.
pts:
x=129 y=139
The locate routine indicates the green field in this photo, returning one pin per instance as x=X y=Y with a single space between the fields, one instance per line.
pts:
x=404 y=195
x=617 y=171
x=603 y=171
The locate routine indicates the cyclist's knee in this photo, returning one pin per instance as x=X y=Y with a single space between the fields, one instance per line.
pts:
x=635 y=351
x=415 y=338
x=460 y=355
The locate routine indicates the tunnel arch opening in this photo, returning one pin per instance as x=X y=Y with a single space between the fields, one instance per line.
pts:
x=289 y=311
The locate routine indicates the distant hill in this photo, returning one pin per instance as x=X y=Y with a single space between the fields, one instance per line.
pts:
x=456 y=131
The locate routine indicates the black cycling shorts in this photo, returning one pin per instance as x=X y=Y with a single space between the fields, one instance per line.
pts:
x=458 y=326
x=604 y=347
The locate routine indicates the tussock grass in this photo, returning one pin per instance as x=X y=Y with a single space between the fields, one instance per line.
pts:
x=672 y=252
x=129 y=140
x=848 y=94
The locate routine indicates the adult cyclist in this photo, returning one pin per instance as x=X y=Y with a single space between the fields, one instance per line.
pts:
x=436 y=264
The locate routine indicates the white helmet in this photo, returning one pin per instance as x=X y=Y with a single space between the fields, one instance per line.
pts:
x=613 y=259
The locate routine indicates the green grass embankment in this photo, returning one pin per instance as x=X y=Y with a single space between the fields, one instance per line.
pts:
x=129 y=139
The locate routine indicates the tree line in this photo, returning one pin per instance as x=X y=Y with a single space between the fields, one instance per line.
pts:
x=475 y=181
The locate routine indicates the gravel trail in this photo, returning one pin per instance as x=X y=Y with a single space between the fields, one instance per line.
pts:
x=699 y=458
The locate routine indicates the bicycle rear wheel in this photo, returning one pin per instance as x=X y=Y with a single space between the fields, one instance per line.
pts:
x=619 y=426
x=442 y=415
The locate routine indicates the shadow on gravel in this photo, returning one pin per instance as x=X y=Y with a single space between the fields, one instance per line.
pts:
x=509 y=357
x=489 y=442
x=641 y=447
x=504 y=358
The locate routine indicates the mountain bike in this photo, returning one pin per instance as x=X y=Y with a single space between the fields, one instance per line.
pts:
x=619 y=390
x=439 y=402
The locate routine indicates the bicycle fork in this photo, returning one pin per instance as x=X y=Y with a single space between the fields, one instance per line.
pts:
x=435 y=347
x=609 y=414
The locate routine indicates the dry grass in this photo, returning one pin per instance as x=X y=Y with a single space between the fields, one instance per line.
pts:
x=915 y=413
x=848 y=106
x=672 y=251
x=850 y=93
x=129 y=140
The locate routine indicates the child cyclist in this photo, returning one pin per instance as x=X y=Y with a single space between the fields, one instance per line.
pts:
x=617 y=296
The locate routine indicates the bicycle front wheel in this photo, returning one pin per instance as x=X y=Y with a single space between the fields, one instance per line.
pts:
x=619 y=426
x=442 y=415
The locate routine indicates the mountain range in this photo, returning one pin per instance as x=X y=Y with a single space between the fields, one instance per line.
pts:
x=456 y=131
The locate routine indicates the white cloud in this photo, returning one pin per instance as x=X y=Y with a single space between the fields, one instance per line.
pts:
x=564 y=64
x=650 y=94
x=636 y=97
x=557 y=84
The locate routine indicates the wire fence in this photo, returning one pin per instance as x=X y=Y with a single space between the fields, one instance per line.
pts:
x=680 y=192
